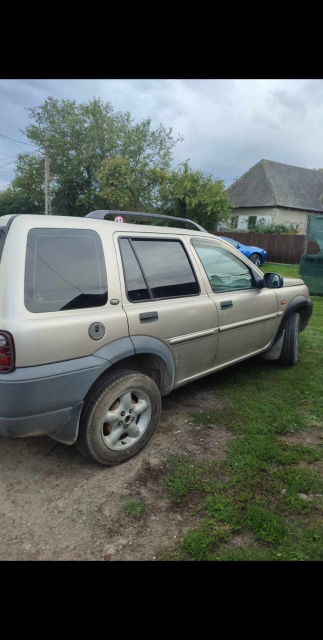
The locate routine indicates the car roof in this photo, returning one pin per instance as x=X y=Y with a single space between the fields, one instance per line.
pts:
x=34 y=220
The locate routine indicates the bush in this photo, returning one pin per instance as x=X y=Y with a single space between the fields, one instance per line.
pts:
x=263 y=227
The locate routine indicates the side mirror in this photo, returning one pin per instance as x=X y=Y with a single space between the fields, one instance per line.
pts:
x=273 y=281
x=238 y=246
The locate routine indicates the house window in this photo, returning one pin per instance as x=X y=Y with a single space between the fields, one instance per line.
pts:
x=252 y=221
x=234 y=222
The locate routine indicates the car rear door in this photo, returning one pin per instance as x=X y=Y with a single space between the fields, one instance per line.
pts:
x=248 y=315
x=165 y=297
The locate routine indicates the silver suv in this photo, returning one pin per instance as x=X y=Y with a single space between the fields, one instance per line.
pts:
x=99 y=319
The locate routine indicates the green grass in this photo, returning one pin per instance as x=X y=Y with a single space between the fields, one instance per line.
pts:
x=134 y=508
x=261 y=402
x=287 y=270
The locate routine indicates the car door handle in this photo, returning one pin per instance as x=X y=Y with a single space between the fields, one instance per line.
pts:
x=152 y=316
x=227 y=304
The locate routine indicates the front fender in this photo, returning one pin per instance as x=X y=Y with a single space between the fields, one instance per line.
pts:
x=298 y=303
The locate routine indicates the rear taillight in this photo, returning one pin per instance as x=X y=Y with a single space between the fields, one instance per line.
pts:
x=7 y=352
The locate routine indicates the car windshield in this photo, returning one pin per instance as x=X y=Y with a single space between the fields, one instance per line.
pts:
x=234 y=242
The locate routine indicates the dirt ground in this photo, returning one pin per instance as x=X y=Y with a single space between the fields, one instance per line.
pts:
x=55 y=505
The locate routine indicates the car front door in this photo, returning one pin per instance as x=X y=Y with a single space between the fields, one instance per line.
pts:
x=248 y=315
x=165 y=298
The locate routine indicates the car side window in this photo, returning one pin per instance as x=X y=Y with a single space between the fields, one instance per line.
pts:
x=65 y=269
x=157 y=269
x=225 y=272
x=136 y=287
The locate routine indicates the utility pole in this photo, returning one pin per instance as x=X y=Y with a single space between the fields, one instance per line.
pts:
x=48 y=208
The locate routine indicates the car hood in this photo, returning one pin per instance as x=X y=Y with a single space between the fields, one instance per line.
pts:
x=292 y=282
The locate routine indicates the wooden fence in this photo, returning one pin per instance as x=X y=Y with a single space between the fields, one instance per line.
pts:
x=279 y=247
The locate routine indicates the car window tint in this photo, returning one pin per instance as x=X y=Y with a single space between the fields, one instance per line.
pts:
x=225 y=271
x=135 y=283
x=166 y=266
x=233 y=242
x=65 y=269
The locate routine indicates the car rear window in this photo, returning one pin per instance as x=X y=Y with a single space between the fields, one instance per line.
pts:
x=65 y=269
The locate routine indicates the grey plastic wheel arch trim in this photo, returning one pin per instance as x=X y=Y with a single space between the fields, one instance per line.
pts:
x=147 y=344
x=51 y=395
x=299 y=302
x=125 y=347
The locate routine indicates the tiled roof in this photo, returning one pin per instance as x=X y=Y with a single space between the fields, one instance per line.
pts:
x=270 y=184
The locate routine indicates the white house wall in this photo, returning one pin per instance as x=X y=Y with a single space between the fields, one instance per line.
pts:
x=292 y=216
x=271 y=215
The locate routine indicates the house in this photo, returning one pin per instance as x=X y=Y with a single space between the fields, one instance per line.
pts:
x=276 y=193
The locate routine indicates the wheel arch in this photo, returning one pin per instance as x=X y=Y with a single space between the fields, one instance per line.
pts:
x=140 y=353
x=303 y=306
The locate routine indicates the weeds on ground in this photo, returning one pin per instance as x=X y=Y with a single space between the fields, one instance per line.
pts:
x=265 y=492
x=134 y=509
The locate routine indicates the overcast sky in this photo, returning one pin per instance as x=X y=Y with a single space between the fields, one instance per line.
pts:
x=228 y=125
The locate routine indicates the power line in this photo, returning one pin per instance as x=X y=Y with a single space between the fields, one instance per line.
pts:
x=5 y=165
x=20 y=142
x=28 y=154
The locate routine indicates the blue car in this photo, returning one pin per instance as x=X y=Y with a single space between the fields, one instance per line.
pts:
x=255 y=254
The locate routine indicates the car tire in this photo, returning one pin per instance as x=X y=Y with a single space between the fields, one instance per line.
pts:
x=255 y=258
x=112 y=428
x=289 y=352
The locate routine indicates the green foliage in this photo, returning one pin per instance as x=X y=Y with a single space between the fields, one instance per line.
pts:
x=183 y=475
x=134 y=508
x=195 y=195
x=263 y=227
x=14 y=200
x=253 y=553
x=301 y=480
x=199 y=542
x=266 y=525
x=132 y=185
x=223 y=508
x=257 y=499
x=99 y=159
x=132 y=177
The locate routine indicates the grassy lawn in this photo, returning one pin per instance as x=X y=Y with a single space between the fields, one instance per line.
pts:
x=287 y=270
x=268 y=491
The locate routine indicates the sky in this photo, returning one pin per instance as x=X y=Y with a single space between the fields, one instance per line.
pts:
x=228 y=125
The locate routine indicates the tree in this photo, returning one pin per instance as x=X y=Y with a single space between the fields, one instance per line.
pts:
x=86 y=143
x=195 y=195
x=26 y=193
x=131 y=188
x=132 y=178
x=14 y=201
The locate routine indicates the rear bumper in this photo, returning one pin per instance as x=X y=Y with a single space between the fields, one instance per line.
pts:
x=61 y=425
x=47 y=399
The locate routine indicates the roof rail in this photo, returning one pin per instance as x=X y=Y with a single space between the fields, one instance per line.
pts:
x=101 y=213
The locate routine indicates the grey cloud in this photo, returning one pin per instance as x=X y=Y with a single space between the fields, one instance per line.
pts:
x=228 y=125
